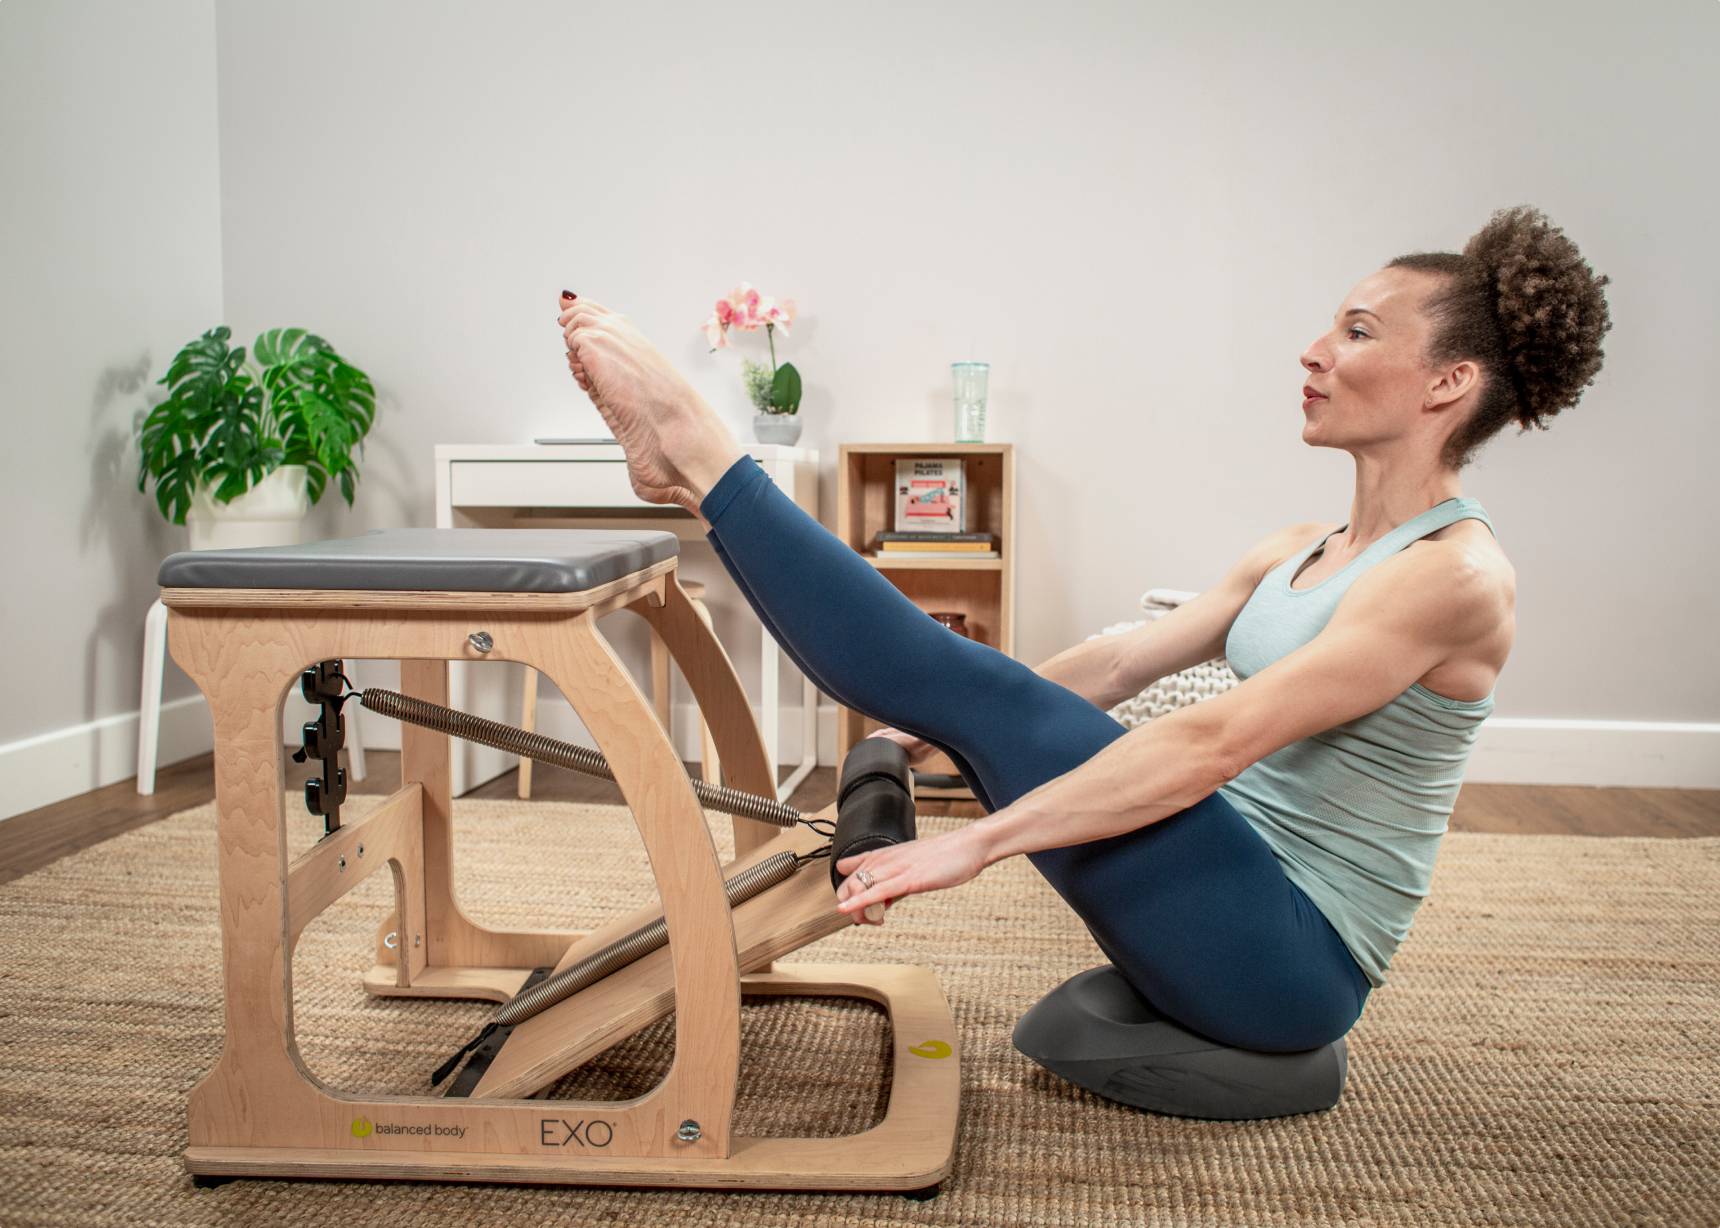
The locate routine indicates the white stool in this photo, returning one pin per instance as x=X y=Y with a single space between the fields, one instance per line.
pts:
x=149 y=707
x=710 y=769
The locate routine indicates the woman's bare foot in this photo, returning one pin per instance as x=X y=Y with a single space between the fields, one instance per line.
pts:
x=676 y=446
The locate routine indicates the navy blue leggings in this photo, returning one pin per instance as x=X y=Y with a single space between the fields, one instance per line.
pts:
x=1194 y=910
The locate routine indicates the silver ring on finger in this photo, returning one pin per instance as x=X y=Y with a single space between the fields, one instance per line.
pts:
x=864 y=877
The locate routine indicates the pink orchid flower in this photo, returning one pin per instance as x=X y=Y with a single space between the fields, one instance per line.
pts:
x=746 y=309
x=746 y=300
x=781 y=315
x=740 y=308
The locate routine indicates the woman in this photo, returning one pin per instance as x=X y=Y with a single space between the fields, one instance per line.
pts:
x=1251 y=862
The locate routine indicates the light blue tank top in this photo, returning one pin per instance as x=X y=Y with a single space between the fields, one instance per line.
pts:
x=1355 y=813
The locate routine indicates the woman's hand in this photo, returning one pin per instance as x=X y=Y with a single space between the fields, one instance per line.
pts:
x=928 y=864
x=919 y=750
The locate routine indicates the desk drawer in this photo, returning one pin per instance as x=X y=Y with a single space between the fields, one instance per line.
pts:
x=558 y=483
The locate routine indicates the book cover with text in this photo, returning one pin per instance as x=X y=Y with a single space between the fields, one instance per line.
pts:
x=929 y=495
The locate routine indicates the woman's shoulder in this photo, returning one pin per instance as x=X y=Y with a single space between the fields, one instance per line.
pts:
x=1462 y=579
x=1475 y=548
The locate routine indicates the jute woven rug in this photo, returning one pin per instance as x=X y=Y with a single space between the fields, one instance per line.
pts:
x=1545 y=1053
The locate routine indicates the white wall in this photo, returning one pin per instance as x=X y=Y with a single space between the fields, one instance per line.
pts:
x=110 y=260
x=1140 y=214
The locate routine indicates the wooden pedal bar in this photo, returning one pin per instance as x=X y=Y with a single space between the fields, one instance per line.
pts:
x=783 y=919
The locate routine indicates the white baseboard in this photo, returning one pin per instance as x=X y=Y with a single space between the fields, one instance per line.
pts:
x=1635 y=754
x=1510 y=750
x=67 y=762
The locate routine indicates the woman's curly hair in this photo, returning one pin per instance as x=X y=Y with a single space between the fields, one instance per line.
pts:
x=1522 y=303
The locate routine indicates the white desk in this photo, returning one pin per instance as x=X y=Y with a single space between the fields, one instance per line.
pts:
x=586 y=486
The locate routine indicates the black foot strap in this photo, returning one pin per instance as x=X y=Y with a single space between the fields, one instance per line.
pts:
x=485 y=1053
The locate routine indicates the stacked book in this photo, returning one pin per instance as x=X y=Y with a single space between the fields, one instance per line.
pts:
x=937 y=545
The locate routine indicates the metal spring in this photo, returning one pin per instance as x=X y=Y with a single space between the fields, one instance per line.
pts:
x=415 y=711
x=641 y=942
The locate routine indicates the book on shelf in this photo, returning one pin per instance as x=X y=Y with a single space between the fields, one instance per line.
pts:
x=935 y=554
x=951 y=548
x=985 y=538
x=930 y=495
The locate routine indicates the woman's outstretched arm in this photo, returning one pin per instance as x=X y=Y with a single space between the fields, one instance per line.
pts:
x=1401 y=620
x=1148 y=774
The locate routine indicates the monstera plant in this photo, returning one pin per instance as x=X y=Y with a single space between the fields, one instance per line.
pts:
x=227 y=423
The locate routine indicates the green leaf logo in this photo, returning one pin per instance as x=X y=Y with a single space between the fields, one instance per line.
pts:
x=361 y=1127
x=931 y=1048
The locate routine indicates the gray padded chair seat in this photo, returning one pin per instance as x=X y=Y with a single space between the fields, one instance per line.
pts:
x=432 y=560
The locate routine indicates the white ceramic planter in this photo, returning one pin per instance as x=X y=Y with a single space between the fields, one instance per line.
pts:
x=776 y=428
x=271 y=513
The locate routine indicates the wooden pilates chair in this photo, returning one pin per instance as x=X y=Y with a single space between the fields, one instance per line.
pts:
x=247 y=624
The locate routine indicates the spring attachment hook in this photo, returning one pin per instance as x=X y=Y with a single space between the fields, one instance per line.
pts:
x=321 y=684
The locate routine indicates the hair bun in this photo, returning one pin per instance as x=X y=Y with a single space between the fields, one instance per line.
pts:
x=1548 y=303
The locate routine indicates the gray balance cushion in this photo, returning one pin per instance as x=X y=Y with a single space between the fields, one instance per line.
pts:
x=432 y=560
x=1096 y=1031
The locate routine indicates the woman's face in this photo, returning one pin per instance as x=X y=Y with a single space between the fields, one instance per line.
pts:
x=1368 y=366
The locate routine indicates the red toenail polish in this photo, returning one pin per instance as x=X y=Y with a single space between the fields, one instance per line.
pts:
x=569 y=295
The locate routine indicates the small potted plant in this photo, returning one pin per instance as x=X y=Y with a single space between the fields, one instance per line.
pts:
x=774 y=390
x=240 y=450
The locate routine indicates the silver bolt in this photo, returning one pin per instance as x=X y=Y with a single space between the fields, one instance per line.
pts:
x=343 y=865
x=418 y=940
x=391 y=939
x=361 y=850
x=689 y=1131
x=481 y=641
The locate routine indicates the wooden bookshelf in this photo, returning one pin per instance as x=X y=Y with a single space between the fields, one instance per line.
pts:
x=982 y=589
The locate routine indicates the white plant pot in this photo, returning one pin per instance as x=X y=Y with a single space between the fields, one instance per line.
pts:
x=777 y=428
x=271 y=513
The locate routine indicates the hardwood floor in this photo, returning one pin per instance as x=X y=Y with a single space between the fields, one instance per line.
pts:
x=35 y=839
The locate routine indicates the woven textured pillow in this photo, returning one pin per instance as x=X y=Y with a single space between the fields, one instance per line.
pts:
x=1173 y=691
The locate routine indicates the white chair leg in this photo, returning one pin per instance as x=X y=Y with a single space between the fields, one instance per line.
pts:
x=528 y=721
x=149 y=701
x=354 y=742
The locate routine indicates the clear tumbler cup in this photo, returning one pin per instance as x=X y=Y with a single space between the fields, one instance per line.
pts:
x=970 y=381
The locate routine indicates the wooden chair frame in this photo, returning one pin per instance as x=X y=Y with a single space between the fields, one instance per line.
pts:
x=261 y=1112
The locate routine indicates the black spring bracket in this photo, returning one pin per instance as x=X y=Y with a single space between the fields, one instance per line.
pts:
x=321 y=684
